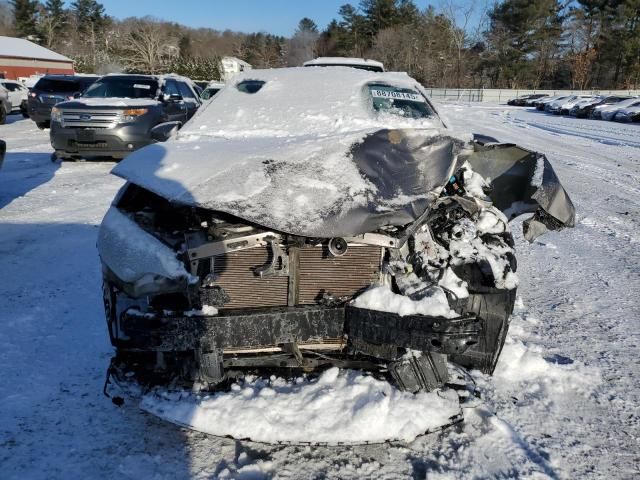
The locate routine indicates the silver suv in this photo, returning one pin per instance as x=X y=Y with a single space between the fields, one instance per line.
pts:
x=115 y=116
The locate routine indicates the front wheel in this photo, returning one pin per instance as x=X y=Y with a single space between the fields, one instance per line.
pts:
x=3 y=116
x=42 y=125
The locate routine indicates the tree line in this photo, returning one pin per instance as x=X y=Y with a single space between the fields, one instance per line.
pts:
x=511 y=44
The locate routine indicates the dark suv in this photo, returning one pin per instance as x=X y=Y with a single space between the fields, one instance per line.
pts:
x=51 y=90
x=116 y=114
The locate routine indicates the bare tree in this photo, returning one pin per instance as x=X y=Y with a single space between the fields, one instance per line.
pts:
x=581 y=66
x=147 y=46
x=459 y=16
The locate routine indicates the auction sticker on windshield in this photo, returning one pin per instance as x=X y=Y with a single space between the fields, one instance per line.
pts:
x=140 y=85
x=396 y=95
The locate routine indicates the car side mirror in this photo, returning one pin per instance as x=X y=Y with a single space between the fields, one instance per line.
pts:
x=164 y=131
x=77 y=95
x=173 y=98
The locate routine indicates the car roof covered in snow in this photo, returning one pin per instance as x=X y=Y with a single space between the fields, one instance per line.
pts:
x=305 y=154
x=337 y=61
x=299 y=101
x=19 y=47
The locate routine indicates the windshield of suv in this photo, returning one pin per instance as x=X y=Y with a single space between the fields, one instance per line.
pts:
x=58 y=85
x=123 y=87
x=404 y=102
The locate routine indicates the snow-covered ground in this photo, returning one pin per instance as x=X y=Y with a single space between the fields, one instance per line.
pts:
x=564 y=402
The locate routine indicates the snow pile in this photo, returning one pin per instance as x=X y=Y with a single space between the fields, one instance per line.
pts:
x=135 y=255
x=433 y=302
x=338 y=407
x=526 y=364
x=205 y=311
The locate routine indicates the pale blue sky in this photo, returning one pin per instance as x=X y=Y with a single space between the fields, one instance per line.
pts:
x=274 y=16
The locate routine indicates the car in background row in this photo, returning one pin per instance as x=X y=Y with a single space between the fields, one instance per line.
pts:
x=17 y=93
x=608 y=112
x=525 y=99
x=541 y=103
x=5 y=105
x=562 y=105
x=584 y=109
x=116 y=114
x=51 y=90
x=3 y=151
x=628 y=114
x=359 y=63
x=211 y=89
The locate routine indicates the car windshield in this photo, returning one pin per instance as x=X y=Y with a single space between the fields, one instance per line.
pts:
x=123 y=87
x=405 y=102
x=12 y=87
x=55 y=85
x=208 y=93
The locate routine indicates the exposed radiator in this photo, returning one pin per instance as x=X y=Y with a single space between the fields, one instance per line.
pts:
x=318 y=274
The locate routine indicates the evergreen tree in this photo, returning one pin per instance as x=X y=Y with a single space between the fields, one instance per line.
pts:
x=25 y=15
x=306 y=25
x=522 y=30
x=52 y=22
x=90 y=16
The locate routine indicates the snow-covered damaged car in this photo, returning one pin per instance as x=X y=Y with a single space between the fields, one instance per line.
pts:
x=308 y=218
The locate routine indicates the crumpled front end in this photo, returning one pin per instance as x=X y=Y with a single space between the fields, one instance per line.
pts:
x=199 y=296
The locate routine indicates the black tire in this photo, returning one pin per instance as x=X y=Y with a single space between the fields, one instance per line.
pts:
x=3 y=116
x=42 y=125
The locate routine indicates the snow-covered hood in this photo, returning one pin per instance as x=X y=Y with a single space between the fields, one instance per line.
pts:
x=617 y=106
x=111 y=102
x=336 y=185
x=629 y=110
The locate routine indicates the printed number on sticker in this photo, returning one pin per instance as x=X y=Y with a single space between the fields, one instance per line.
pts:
x=412 y=97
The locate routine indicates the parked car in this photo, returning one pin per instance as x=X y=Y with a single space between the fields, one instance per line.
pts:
x=531 y=102
x=212 y=89
x=202 y=84
x=5 y=105
x=3 y=151
x=116 y=114
x=607 y=112
x=51 y=90
x=562 y=105
x=360 y=63
x=17 y=93
x=628 y=114
x=524 y=99
x=584 y=109
x=540 y=104
x=314 y=230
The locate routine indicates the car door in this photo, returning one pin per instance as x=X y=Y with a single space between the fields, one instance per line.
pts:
x=190 y=98
x=175 y=107
x=15 y=93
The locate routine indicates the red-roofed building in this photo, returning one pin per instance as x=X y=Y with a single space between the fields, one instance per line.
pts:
x=22 y=58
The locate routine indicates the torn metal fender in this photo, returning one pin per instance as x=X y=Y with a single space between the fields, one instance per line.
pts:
x=523 y=181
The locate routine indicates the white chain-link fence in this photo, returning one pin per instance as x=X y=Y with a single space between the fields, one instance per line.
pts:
x=502 y=95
